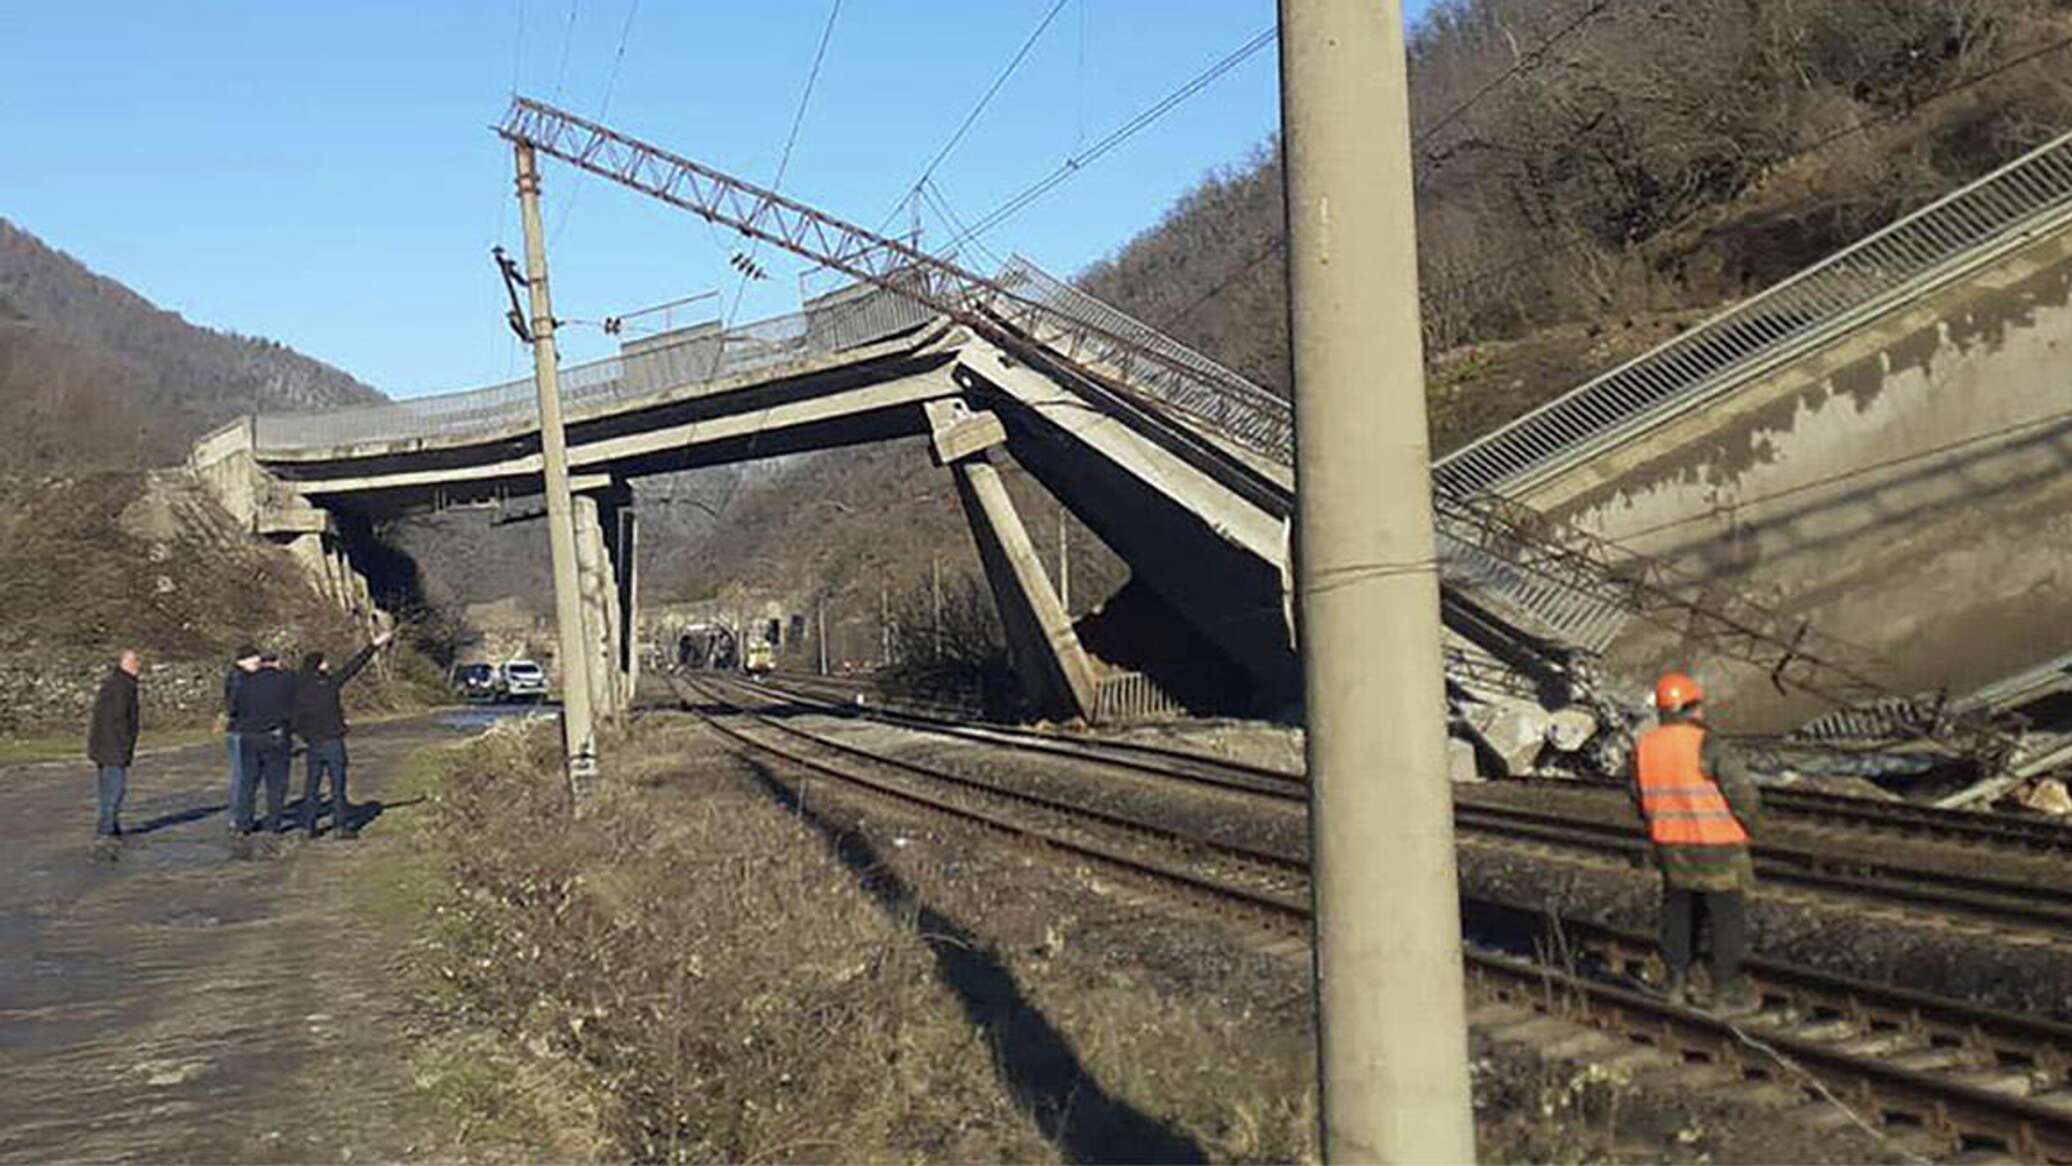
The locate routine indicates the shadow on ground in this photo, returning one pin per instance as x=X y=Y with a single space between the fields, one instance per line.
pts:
x=1038 y=1063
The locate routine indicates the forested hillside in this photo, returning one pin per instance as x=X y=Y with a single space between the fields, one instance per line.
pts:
x=93 y=375
x=1592 y=176
x=1617 y=164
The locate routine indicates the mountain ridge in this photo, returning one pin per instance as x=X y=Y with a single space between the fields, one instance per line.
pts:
x=98 y=376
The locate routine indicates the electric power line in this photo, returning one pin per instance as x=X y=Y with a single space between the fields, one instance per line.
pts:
x=1477 y=278
x=568 y=41
x=1527 y=60
x=611 y=83
x=747 y=262
x=618 y=59
x=1272 y=248
x=1116 y=137
x=984 y=99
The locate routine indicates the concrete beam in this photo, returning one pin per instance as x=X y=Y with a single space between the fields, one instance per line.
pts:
x=957 y=433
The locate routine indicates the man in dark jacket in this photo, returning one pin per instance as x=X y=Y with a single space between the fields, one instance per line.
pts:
x=111 y=739
x=320 y=721
x=242 y=665
x=262 y=706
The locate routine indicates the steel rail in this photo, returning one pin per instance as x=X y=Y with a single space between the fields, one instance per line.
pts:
x=1954 y=825
x=1275 y=862
x=1956 y=1111
x=1980 y=897
x=1976 y=897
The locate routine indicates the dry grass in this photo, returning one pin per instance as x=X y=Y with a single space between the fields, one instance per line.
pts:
x=681 y=976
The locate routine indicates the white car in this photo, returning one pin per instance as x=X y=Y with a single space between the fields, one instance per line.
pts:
x=523 y=680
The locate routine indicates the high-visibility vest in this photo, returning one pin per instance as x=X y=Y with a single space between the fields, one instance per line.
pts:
x=1683 y=805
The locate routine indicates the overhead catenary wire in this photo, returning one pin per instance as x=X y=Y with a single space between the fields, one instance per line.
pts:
x=791 y=138
x=568 y=41
x=977 y=108
x=1529 y=59
x=604 y=106
x=1114 y=138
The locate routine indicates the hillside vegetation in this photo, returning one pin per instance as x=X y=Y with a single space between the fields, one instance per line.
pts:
x=1592 y=176
x=94 y=376
x=1616 y=164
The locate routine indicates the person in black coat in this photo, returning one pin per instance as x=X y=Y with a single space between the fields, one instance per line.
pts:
x=111 y=739
x=242 y=665
x=262 y=705
x=320 y=721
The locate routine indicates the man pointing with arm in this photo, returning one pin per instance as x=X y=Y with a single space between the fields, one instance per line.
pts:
x=320 y=721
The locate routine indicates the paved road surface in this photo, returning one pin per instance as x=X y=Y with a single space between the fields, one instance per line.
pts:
x=179 y=1004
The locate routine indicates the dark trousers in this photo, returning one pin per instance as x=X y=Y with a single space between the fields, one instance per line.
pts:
x=240 y=795
x=113 y=783
x=265 y=762
x=326 y=756
x=1684 y=913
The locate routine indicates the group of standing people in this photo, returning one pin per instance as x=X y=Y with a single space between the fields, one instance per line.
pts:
x=265 y=707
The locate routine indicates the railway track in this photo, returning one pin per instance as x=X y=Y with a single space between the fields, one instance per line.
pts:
x=2012 y=904
x=1898 y=819
x=1965 y=1078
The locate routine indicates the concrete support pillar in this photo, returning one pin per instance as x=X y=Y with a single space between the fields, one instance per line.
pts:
x=1053 y=666
x=334 y=574
x=308 y=550
x=599 y=595
x=626 y=564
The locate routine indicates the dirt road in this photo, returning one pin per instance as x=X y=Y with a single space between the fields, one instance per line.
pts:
x=182 y=1004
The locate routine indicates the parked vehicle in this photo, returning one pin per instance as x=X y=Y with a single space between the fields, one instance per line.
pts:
x=524 y=680
x=475 y=682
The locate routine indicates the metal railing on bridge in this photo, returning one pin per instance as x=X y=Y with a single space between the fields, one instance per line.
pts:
x=1180 y=377
x=2029 y=194
x=641 y=371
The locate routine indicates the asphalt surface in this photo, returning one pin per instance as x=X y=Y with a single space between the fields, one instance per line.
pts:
x=191 y=1000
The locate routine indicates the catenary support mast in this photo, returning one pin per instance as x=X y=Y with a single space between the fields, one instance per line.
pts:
x=1392 y=1042
x=578 y=734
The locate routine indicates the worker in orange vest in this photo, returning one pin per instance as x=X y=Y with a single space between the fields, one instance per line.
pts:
x=1700 y=805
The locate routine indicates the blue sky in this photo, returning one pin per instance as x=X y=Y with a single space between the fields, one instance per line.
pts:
x=322 y=173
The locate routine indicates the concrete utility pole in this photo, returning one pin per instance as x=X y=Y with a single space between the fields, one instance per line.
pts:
x=578 y=734
x=1391 y=1025
x=820 y=631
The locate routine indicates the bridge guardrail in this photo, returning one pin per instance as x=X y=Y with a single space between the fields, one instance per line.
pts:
x=1739 y=342
x=639 y=372
x=1205 y=389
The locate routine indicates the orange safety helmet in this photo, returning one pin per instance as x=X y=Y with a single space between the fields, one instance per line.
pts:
x=1676 y=692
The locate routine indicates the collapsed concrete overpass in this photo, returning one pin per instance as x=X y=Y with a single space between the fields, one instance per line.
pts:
x=1184 y=469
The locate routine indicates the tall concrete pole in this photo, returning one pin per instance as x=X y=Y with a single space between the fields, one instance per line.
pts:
x=1391 y=1026
x=579 y=736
